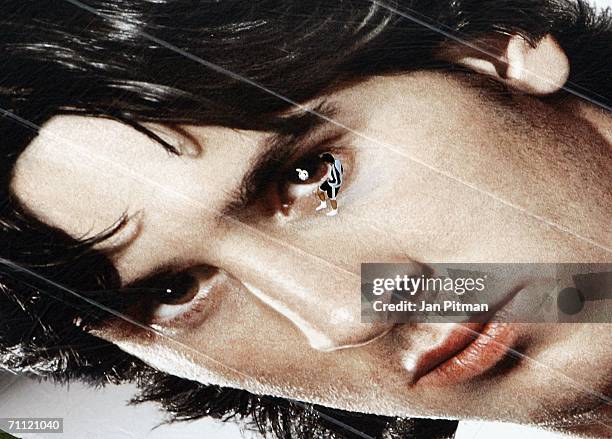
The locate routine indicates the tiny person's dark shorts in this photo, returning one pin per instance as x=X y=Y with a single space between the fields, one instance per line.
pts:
x=331 y=192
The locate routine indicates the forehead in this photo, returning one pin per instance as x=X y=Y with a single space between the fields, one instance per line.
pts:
x=82 y=173
x=84 y=164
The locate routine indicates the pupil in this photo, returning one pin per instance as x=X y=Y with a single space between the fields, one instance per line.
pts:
x=312 y=166
x=181 y=288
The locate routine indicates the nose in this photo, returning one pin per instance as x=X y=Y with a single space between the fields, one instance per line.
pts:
x=320 y=298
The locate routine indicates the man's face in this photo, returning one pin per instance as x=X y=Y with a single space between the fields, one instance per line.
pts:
x=437 y=168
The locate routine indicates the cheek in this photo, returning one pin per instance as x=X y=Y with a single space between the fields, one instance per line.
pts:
x=244 y=338
x=241 y=344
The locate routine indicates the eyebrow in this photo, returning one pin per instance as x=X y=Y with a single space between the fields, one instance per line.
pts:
x=276 y=150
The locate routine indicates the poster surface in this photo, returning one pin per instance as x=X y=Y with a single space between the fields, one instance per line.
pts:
x=305 y=219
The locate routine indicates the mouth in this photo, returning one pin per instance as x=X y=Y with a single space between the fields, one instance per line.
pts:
x=469 y=351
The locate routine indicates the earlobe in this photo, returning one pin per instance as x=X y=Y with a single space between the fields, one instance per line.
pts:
x=539 y=70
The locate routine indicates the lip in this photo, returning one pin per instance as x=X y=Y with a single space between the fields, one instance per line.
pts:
x=470 y=350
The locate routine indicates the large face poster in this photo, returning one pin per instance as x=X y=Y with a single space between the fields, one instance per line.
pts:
x=308 y=219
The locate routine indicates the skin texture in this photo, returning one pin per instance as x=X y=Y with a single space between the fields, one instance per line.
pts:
x=447 y=168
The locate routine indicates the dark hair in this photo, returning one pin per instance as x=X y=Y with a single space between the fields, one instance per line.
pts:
x=327 y=157
x=63 y=59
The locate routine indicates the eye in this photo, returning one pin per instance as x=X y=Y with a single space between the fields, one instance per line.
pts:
x=313 y=168
x=181 y=296
x=181 y=288
x=301 y=179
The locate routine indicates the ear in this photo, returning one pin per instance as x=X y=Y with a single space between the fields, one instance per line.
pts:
x=511 y=59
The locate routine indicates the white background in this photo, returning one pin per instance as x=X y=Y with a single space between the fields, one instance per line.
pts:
x=102 y=413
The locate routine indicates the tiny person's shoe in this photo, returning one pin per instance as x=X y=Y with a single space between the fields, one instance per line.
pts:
x=332 y=212
x=323 y=205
